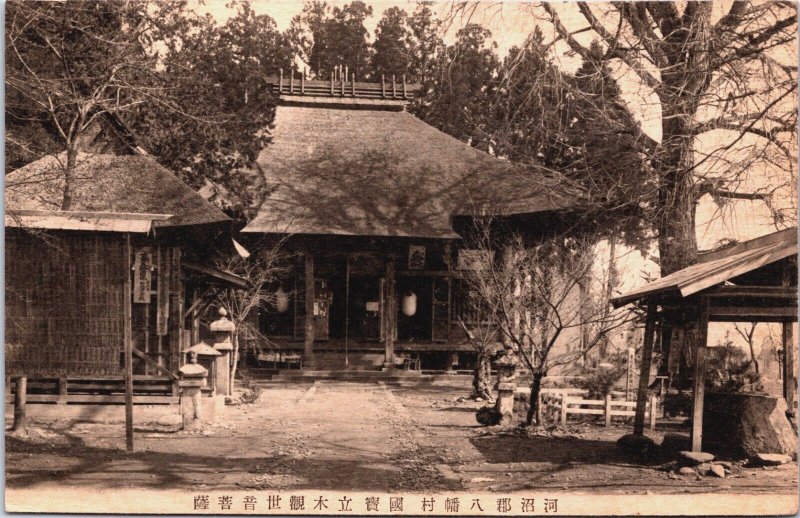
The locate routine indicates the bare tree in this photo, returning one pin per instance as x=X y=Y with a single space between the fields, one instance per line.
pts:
x=747 y=333
x=481 y=332
x=724 y=80
x=532 y=291
x=263 y=268
x=706 y=105
x=68 y=64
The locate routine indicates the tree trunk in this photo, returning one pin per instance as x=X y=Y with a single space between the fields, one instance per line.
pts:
x=482 y=377
x=533 y=403
x=69 y=174
x=20 y=416
x=677 y=242
x=683 y=86
x=235 y=359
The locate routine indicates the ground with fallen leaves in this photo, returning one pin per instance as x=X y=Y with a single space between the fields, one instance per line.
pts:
x=361 y=436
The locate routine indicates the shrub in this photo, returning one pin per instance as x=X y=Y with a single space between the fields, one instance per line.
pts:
x=250 y=391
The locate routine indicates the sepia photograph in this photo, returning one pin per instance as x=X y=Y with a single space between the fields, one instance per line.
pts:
x=398 y=257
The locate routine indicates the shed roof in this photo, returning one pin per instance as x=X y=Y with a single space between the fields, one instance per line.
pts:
x=104 y=183
x=92 y=221
x=718 y=267
x=385 y=173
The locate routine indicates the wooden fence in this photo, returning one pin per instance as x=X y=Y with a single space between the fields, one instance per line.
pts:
x=607 y=407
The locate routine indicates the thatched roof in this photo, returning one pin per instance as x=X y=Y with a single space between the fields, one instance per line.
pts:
x=110 y=183
x=352 y=171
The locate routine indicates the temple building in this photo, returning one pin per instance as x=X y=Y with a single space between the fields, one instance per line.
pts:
x=377 y=205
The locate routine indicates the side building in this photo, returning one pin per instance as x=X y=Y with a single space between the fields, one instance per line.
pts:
x=130 y=260
x=377 y=207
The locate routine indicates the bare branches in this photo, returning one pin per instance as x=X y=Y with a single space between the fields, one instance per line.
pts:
x=535 y=295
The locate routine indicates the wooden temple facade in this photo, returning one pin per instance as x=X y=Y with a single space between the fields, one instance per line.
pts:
x=753 y=281
x=374 y=205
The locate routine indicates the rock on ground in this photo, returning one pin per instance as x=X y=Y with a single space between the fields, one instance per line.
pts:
x=717 y=470
x=771 y=459
x=697 y=457
x=631 y=444
x=674 y=442
x=686 y=470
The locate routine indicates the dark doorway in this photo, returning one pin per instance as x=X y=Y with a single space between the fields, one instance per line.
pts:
x=416 y=327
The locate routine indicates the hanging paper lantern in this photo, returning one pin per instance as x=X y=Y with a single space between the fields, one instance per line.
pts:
x=281 y=300
x=409 y=305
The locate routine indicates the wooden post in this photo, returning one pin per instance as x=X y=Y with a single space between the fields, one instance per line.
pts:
x=280 y=83
x=20 y=400
x=383 y=86
x=303 y=82
x=789 y=383
x=394 y=87
x=128 y=346
x=699 y=376
x=653 y=405
x=405 y=93
x=291 y=81
x=608 y=410
x=563 y=409
x=390 y=316
x=62 y=390
x=332 y=75
x=644 y=372
x=308 y=349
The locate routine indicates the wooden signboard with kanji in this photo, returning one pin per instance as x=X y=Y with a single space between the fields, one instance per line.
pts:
x=142 y=276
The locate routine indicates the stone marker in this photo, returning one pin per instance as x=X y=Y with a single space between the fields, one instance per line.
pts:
x=506 y=366
x=697 y=457
x=771 y=459
x=718 y=470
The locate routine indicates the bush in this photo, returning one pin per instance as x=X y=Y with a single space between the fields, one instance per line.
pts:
x=250 y=391
x=600 y=381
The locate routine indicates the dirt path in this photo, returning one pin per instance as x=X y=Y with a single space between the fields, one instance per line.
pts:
x=583 y=458
x=325 y=436
x=356 y=436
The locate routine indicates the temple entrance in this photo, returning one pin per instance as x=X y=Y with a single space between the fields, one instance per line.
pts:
x=356 y=308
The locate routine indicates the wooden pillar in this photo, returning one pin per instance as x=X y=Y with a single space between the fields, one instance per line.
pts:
x=789 y=383
x=698 y=394
x=20 y=400
x=128 y=345
x=644 y=372
x=308 y=348
x=390 y=316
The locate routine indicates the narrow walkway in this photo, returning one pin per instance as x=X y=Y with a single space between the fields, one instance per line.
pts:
x=329 y=435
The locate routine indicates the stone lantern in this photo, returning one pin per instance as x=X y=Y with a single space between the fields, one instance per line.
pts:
x=506 y=366
x=206 y=357
x=223 y=329
x=193 y=379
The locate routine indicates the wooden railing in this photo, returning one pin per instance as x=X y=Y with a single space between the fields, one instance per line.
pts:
x=607 y=407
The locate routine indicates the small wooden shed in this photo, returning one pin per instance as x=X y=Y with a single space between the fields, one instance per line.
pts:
x=124 y=267
x=753 y=281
